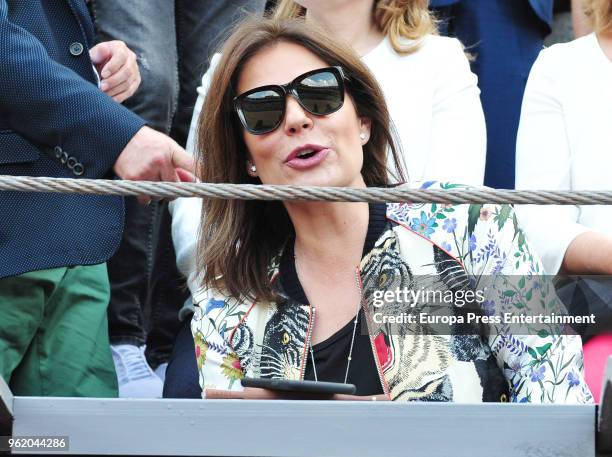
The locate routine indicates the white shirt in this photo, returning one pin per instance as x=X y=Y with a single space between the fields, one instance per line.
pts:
x=565 y=143
x=434 y=102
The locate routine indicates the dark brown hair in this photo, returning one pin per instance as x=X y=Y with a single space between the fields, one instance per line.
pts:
x=239 y=239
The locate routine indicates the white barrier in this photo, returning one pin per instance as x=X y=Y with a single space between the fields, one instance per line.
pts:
x=303 y=428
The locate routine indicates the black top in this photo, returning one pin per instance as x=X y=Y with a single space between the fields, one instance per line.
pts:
x=331 y=355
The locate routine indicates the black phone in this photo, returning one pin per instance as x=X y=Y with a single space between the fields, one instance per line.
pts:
x=309 y=387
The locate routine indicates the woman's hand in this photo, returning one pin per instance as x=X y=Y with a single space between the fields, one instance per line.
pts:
x=118 y=69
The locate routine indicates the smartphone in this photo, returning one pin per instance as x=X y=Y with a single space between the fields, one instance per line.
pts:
x=310 y=387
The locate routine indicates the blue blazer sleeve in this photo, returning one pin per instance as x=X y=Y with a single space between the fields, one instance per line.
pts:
x=51 y=105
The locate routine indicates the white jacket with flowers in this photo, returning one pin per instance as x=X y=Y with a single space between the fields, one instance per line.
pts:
x=456 y=247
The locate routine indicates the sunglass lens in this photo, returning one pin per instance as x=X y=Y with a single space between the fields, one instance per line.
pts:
x=321 y=93
x=262 y=110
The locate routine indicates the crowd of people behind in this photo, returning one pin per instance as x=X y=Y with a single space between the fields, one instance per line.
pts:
x=434 y=95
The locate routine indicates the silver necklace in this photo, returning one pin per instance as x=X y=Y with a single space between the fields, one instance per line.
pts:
x=355 y=322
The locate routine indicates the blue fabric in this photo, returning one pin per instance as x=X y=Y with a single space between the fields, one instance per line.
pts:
x=505 y=37
x=53 y=117
x=182 y=378
x=542 y=8
x=440 y=3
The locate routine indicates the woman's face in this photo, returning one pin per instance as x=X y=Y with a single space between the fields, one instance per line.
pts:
x=336 y=138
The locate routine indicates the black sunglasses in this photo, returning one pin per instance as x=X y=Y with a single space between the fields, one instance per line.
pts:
x=320 y=92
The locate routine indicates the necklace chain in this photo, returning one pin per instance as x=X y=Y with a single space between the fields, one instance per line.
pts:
x=355 y=322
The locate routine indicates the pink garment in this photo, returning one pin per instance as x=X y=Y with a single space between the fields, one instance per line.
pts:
x=596 y=353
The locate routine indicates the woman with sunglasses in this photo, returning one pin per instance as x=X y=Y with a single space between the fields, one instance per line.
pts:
x=290 y=289
x=431 y=92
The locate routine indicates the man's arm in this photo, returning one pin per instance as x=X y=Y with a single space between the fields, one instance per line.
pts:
x=52 y=105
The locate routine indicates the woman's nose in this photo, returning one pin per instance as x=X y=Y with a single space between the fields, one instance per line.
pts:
x=296 y=117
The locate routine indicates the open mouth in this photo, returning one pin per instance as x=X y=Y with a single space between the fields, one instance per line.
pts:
x=306 y=154
x=307 y=158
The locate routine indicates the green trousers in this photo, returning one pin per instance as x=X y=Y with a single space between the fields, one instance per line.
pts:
x=54 y=333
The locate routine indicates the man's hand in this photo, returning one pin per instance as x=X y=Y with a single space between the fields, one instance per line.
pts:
x=118 y=69
x=152 y=156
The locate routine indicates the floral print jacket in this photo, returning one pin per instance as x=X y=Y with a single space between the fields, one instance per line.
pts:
x=458 y=245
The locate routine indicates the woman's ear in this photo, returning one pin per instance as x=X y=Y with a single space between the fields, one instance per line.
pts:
x=365 y=128
x=251 y=169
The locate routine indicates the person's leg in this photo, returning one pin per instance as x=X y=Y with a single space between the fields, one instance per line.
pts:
x=148 y=28
x=130 y=274
x=70 y=354
x=22 y=300
x=168 y=292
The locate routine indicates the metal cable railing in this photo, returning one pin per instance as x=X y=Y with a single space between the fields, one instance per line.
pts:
x=293 y=193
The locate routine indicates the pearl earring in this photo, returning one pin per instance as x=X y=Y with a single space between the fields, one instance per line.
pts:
x=362 y=136
x=253 y=169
